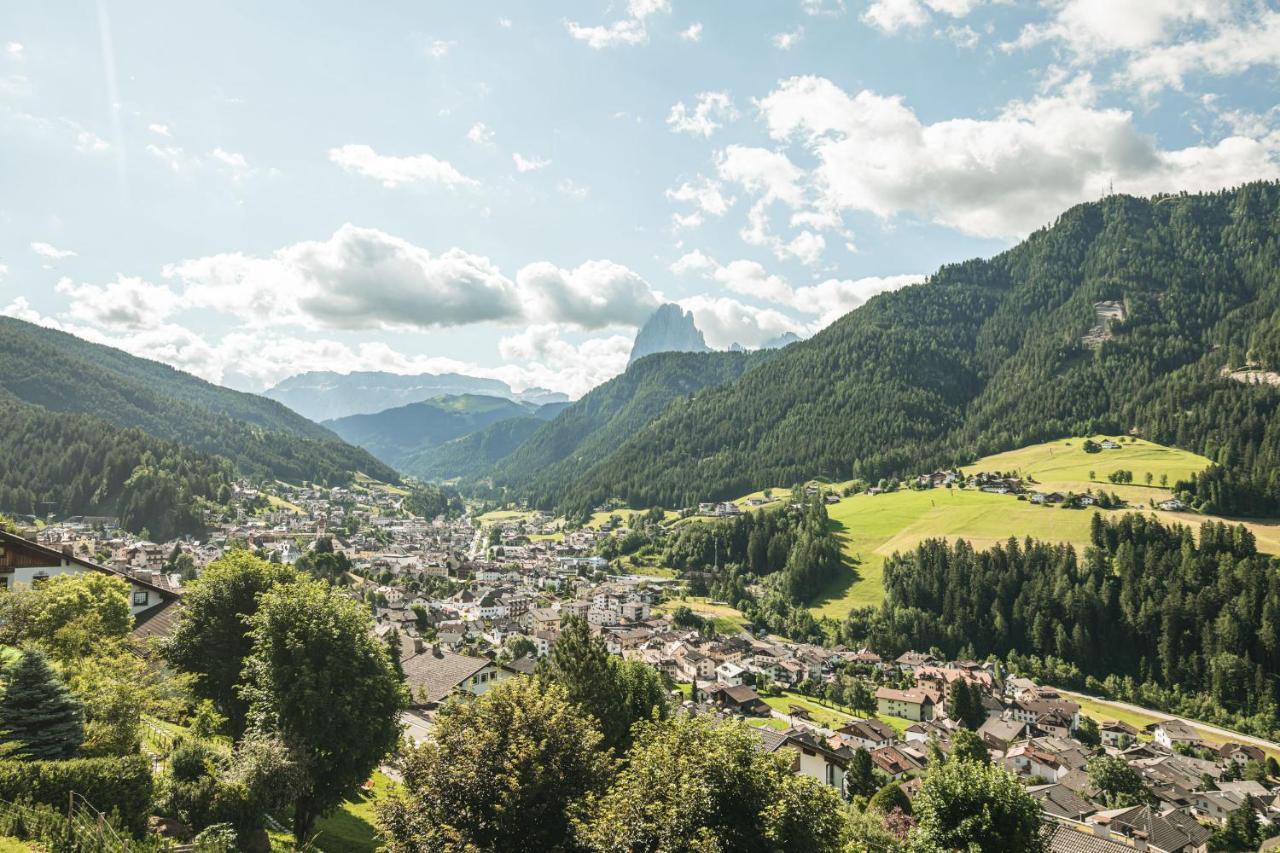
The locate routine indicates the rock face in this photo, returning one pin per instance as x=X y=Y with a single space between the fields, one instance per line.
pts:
x=783 y=340
x=670 y=329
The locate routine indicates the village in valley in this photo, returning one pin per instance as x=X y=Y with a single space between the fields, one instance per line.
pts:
x=473 y=599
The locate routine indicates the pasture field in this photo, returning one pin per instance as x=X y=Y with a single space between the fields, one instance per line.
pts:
x=874 y=527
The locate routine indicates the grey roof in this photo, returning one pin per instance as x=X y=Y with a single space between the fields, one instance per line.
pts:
x=1062 y=801
x=1068 y=839
x=433 y=674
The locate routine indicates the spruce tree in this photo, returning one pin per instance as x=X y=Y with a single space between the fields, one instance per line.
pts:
x=38 y=715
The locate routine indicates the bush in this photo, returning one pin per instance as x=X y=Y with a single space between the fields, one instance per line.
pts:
x=121 y=785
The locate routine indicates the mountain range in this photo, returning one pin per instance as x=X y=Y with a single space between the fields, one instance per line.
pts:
x=325 y=395
x=401 y=434
x=89 y=429
x=1125 y=314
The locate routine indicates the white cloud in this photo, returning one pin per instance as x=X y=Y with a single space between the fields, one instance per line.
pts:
x=88 y=142
x=832 y=299
x=360 y=278
x=786 y=41
x=15 y=50
x=806 y=247
x=592 y=296
x=965 y=36
x=998 y=177
x=20 y=309
x=693 y=33
x=750 y=278
x=126 y=303
x=160 y=129
x=1092 y=27
x=53 y=253
x=172 y=156
x=1231 y=50
x=480 y=134
x=829 y=8
x=363 y=278
x=439 y=48
x=572 y=189
x=694 y=262
x=4 y=272
x=393 y=172
x=705 y=195
x=631 y=30
x=726 y=321
x=711 y=111
x=894 y=15
x=760 y=170
x=230 y=158
x=529 y=164
x=547 y=360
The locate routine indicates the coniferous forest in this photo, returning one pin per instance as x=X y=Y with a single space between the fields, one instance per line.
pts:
x=987 y=355
x=1187 y=620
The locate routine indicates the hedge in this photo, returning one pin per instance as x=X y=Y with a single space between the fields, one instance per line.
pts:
x=114 y=784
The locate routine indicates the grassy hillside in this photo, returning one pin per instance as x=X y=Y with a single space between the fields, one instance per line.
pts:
x=874 y=527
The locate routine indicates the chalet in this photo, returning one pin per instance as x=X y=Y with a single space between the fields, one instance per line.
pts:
x=912 y=661
x=1117 y=734
x=1170 y=733
x=152 y=600
x=738 y=698
x=894 y=762
x=870 y=734
x=435 y=673
x=812 y=757
x=911 y=704
x=1172 y=505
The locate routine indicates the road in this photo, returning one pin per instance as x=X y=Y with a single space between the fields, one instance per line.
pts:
x=1217 y=731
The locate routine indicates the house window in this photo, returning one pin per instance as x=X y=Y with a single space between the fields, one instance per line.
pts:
x=4 y=583
x=140 y=597
x=39 y=580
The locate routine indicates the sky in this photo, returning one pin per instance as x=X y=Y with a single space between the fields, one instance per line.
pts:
x=249 y=190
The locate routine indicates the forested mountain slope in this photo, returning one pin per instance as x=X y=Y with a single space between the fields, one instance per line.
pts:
x=555 y=456
x=79 y=464
x=395 y=435
x=992 y=354
x=54 y=372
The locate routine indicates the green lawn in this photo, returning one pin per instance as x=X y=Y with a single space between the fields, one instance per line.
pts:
x=13 y=845
x=873 y=528
x=1064 y=462
x=727 y=620
x=820 y=714
x=350 y=829
x=504 y=515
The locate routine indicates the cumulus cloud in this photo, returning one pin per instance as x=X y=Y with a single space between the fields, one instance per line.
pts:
x=692 y=33
x=998 y=177
x=631 y=30
x=360 y=278
x=233 y=159
x=394 y=172
x=594 y=295
x=824 y=302
x=546 y=358
x=711 y=111
x=828 y=8
x=1090 y=27
x=363 y=278
x=53 y=253
x=160 y=129
x=706 y=197
x=726 y=321
x=126 y=303
x=529 y=164
x=759 y=170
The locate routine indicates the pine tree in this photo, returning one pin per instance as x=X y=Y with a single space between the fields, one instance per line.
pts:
x=392 y=640
x=38 y=715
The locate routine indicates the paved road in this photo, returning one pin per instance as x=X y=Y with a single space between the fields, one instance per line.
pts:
x=1217 y=731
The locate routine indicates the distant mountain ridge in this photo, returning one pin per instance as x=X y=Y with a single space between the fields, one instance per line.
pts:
x=400 y=434
x=325 y=395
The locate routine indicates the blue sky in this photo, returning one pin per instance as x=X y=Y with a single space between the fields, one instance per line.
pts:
x=249 y=190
